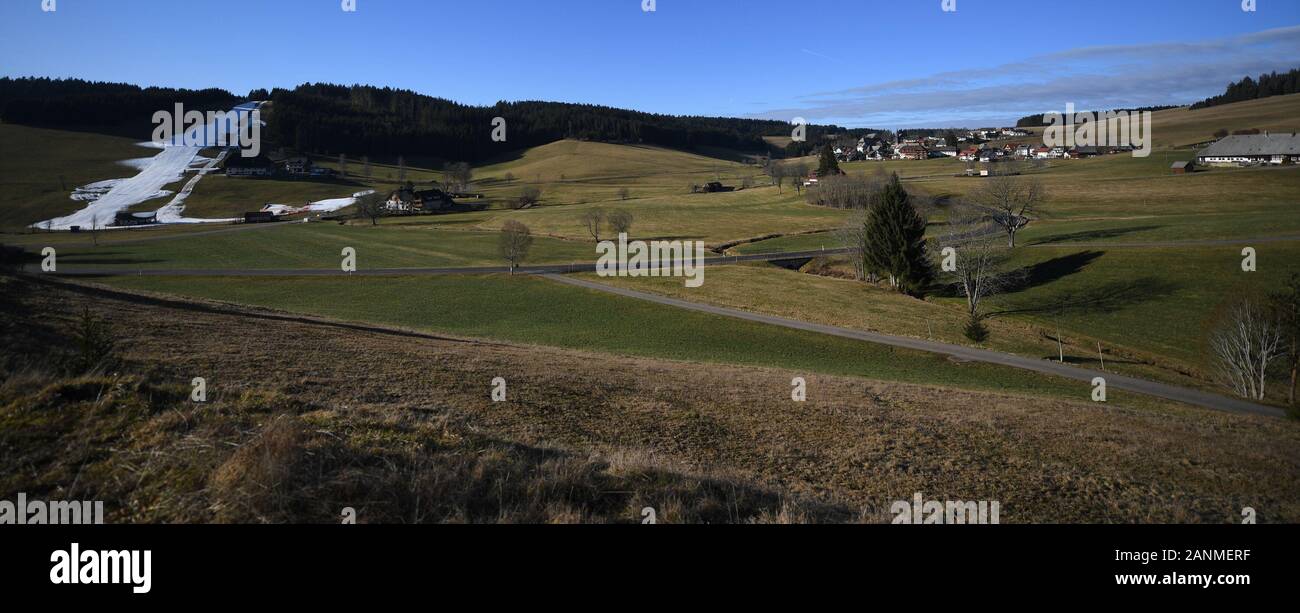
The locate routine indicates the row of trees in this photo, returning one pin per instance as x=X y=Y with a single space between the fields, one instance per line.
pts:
x=75 y=103
x=1271 y=84
x=324 y=118
x=777 y=172
x=888 y=231
x=620 y=221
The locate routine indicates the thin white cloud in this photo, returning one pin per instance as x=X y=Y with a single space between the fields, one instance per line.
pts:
x=820 y=55
x=1099 y=77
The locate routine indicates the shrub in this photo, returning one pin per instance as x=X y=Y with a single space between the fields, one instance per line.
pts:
x=94 y=343
x=975 y=330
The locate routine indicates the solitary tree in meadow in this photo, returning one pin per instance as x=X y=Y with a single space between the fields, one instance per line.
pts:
x=776 y=171
x=529 y=197
x=1010 y=201
x=371 y=206
x=1247 y=339
x=797 y=174
x=621 y=222
x=513 y=244
x=592 y=220
x=978 y=265
x=895 y=240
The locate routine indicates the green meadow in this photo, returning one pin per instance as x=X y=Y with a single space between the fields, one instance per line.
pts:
x=531 y=310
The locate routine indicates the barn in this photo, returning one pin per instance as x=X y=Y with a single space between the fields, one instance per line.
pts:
x=1248 y=149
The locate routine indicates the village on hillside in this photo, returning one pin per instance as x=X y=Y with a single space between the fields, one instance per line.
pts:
x=991 y=145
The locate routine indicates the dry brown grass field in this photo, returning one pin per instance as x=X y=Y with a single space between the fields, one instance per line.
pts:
x=307 y=416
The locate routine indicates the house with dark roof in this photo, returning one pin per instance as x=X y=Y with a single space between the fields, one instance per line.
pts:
x=127 y=218
x=410 y=200
x=1246 y=149
x=240 y=166
x=911 y=152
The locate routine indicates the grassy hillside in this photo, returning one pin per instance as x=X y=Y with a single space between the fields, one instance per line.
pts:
x=1181 y=127
x=315 y=246
x=41 y=168
x=305 y=417
x=1150 y=309
x=537 y=311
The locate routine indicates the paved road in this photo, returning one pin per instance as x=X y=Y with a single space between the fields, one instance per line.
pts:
x=1113 y=381
x=1205 y=242
x=391 y=272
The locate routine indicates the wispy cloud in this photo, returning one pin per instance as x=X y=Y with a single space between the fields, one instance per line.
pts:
x=820 y=55
x=1101 y=77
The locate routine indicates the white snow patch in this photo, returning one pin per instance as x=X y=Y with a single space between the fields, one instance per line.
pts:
x=320 y=206
x=91 y=192
x=174 y=211
x=167 y=167
x=137 y=163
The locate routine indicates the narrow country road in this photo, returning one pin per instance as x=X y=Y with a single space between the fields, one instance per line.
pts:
x=721 y=260
x=1113 y=381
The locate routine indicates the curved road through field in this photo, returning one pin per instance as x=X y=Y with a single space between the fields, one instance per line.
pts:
x=555 y=272
x=1130 y=384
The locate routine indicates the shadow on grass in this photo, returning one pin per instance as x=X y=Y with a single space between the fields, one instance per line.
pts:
x=1104 y=298
x=1092 y=235
x=104 y=294
x=1031 y=276
x=1049 y=271
x=106 y=258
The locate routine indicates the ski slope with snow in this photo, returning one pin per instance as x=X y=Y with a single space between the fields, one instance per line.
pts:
x=168 y=167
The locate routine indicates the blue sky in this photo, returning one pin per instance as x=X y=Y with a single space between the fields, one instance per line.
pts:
x=882 y=63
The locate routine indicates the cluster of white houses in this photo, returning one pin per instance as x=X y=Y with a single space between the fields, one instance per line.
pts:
x=930 y=147
x=1235 y=150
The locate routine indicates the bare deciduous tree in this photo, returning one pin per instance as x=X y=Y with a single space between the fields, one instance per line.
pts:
x=853 y=235
x=529 y=197
x=777 y=172
x=1010 y=201
x=798 y=172
x=457 y=177
x=621 y=222
x=509 y=177
x=846 y=191
x=515 y=241
x=1286 y=305
x=623 y=193
x=976 y=264
x=372 y=207
x=1246 y=341
x=592 y=220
